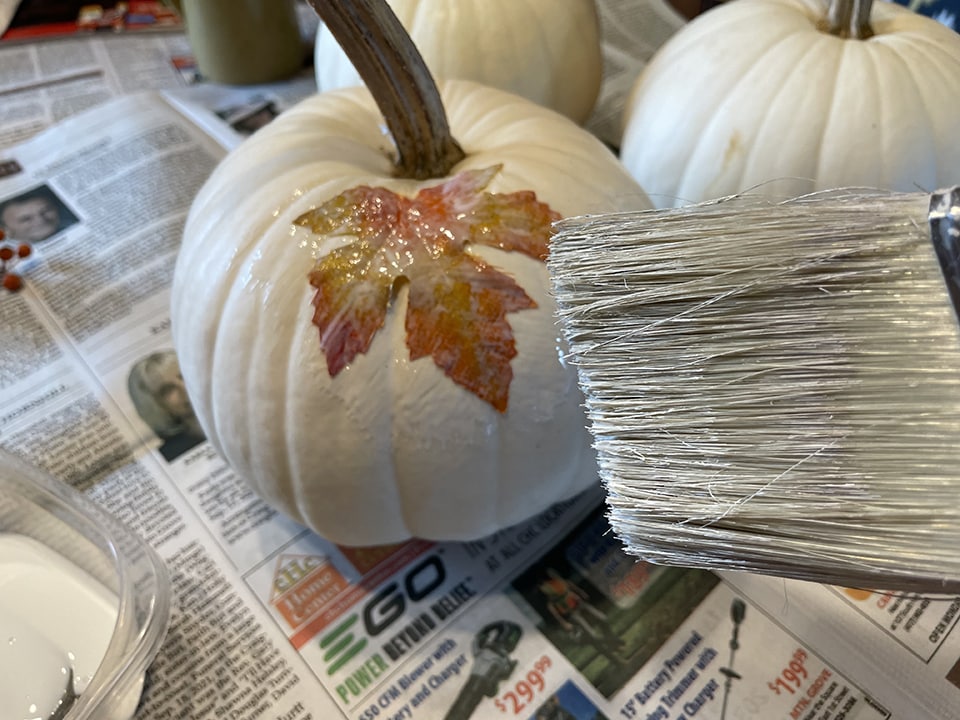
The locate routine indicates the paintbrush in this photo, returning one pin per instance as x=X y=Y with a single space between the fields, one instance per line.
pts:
x=772 y=386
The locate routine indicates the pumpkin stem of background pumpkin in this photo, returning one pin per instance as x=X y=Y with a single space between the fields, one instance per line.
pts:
x=397 y=76
x=850 y=19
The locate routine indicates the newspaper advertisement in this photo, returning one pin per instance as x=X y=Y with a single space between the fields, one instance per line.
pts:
x=26 y=20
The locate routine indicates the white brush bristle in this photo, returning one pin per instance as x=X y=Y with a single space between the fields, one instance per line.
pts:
x=772 y=387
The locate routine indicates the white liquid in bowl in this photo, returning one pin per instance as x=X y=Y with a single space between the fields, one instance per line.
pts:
x=35 y=671
x=53 y=617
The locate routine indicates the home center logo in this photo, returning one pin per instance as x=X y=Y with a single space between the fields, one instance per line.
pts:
x=304 y=593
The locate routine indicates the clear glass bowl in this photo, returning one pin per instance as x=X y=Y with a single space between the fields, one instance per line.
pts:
x=62 y=520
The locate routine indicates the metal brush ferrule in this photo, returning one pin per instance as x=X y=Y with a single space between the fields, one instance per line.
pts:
x=944 y=219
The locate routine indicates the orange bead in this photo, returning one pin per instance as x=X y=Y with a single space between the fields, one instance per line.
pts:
x=6 y=253
x=24 y=250
x=12 y=282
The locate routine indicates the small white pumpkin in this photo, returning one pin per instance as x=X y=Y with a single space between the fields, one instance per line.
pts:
x=547 y=51
x=760 y=90
x=388 y=447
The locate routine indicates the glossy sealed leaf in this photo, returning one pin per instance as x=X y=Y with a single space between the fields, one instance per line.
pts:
x=457 y=303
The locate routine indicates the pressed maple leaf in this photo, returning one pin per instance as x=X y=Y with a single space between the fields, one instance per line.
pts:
x=457 y=303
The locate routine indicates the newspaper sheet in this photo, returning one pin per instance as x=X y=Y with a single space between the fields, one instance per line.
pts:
x=631 y=32
x=42 y=83
x=548 y=619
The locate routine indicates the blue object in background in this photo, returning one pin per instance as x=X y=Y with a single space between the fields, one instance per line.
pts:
x=944 y=11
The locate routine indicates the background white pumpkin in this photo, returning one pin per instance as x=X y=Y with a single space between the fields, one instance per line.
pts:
x=388 y=448
x=547 y=51
x=755 y=90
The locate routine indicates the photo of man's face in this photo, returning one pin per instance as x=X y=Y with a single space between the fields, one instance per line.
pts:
x=31 y=219
x=160 y=397
x=164 y=380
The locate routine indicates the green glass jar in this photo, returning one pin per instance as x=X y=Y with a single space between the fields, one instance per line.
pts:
x=243 y=42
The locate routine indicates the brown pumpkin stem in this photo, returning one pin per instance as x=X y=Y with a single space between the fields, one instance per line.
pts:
x=850 y=19
x=397 y=77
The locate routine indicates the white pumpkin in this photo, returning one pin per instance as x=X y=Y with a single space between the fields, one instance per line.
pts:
x=757 y=90
x=390 y=447
x=547 y=51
